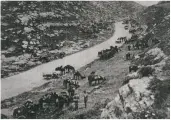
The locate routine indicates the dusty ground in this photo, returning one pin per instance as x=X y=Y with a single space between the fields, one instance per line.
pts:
x=113 y=69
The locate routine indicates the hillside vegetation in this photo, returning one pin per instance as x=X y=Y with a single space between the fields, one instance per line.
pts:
x=47 y=23
x=143 y=93
x=34 y=32
x=145 y=96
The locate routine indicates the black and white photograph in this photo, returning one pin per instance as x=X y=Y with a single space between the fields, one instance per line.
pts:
x=85 y=59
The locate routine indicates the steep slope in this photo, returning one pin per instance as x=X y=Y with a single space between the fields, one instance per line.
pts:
x=52 y=22
x=147 y=96
x=157 y=18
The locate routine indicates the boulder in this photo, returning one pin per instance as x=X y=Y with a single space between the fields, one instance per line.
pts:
x=130 y=76
x=132 y=97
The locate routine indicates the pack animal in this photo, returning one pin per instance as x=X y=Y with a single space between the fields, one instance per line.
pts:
x=95 y=78
x=133 y=68
x=69 y=68
x=77 y=75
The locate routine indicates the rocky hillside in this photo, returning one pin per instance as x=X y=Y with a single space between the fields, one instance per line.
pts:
x=157 y=18
x=144 y=96
x=34 y=30
x=48 y=23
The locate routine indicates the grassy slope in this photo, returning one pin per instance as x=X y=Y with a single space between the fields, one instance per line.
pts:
x=113 y=69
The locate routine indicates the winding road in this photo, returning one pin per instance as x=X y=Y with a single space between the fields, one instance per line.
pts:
x=27 y=80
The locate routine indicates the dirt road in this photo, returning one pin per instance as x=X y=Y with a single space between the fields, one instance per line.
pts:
x=26 y=81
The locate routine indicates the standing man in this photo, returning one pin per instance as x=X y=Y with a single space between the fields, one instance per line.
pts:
x=71 y=91
x=85 y=98
x=129 y=47
x=75 y=100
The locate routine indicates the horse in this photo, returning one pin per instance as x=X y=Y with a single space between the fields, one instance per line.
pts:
x=95 y=78
x=44 y=59
x=108 y=53
x=47 y=76
x=133 y=68
x=19 y=111
x=61 y=68
x=32 y=111
x=49 y=98
x=51 y=76
x=70 y=83
x=71 y=91
x=74 y=83
x=63 y=98
x=77 y=75
x=132 y=31
x=69 y=68
x=128 y=56
x=116 y=49
x=100 y=53
x=99 y=78
x=61 y=55
x=129 y=47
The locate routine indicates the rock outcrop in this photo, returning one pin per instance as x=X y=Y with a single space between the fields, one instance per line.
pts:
x=147 y=96
x=131 y=97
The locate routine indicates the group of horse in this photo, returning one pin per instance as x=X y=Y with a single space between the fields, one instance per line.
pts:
x=59 y=71
x=108 y=53
x=67 y=83
x=48 y=57
x=139 y=45
x=133 y=31
x=29 y=110
x=121 y=39
x=97 y=79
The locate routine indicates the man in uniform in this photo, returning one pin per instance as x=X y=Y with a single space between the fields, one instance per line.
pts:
x=85 y=98
x=129 y=47
x=75 y=100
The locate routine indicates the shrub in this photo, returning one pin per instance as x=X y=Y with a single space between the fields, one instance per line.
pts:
x=161 y=90
x=146 y=71
x=117 y=111
x=167 y=65
x=149 y=113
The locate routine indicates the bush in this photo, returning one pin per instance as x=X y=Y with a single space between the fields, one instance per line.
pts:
x=167 y=65
x=117 y=111
x=161 y=90
x=149 y=113
x=146 y=71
